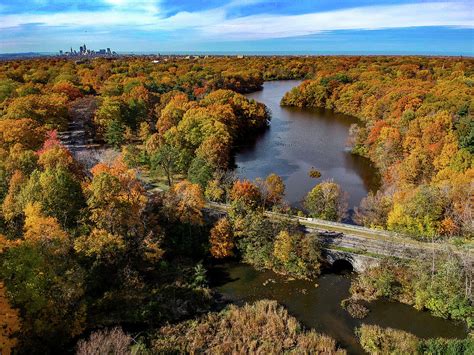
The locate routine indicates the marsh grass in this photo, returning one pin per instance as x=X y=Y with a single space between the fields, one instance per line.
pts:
x=260 y=328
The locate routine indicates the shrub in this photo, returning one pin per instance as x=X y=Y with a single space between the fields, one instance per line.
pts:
x=263 y=328
x=112 y=341
x=377 y=340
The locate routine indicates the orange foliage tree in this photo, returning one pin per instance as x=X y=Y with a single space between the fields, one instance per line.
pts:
x=10 y=323
x=245 y=191
x=185 y=202
x=221 y=239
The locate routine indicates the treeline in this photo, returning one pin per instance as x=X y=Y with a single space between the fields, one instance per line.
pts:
x=441 y=284
x=417 y=127
x=86 y=247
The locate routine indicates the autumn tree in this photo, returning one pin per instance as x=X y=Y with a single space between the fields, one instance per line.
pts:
x=116 y=199
x=221 y=239
x=10 y=322
x=272 y=190
x=185 y=202
x=44 y=232
x=327 y=201
x=67 y=88
x=214 y=190
x=49 y=110
x=172 y=113
x=245 y=191
x=12 y=205
x=297 y=254
x=54 y=155
x=284 y=246
x=58 y=191
x=24 y=131
x=100 y=245
x=418 y=213
x=49 y=289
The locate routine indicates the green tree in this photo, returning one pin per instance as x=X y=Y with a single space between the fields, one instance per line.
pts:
x=114 y=133
x=59 y=193
x=48 y=289
x=199 y=172
x=164 y=159
x=418 y=213
x=327 y=201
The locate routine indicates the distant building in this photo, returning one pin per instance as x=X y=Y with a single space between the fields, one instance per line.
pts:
x=84 y=51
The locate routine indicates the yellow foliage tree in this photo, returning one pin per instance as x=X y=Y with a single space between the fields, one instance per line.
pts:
x=44 y=231
x=116 y=199
x=214 y=191
x=283 y=246
x=100 y=244
x=221 y=239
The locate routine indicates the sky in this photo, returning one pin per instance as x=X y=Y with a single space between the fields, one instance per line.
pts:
x=240 y=26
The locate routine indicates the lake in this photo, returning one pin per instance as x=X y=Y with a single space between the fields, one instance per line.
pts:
x=299 y=139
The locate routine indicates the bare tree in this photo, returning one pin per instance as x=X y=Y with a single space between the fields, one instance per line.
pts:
x=110 y=341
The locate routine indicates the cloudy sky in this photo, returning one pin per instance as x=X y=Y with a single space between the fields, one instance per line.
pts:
x=299 y=26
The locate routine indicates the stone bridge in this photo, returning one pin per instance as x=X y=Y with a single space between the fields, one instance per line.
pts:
x=360 y=246
x=348 y=260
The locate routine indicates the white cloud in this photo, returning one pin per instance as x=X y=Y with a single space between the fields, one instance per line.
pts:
x=362 y=18
x=214 y=23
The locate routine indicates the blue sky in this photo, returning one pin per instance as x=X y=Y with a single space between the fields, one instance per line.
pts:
x=296 y=26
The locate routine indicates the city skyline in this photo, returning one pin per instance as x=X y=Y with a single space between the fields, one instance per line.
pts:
x=306 y=27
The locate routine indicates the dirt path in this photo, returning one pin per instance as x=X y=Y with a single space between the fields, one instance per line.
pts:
x=79 y=137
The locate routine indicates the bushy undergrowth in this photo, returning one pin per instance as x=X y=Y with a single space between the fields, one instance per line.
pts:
x=377 y=340
x=442 y=291
x=260 y=328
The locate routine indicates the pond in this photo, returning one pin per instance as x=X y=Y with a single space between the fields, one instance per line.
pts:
x=319 y=307
x=300 y=139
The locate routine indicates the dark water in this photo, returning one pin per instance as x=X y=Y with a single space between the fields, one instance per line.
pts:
x=319 y=307
x=299 y=139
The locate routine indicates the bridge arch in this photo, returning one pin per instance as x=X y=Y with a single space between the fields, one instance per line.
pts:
x=350 y=261
x=342 y=265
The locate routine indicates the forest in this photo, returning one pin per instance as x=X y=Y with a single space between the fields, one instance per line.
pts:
x=99 y=244
x=417 y=128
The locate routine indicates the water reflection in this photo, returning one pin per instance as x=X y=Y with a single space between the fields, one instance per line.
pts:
x=298 y=140
x=319 y=307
